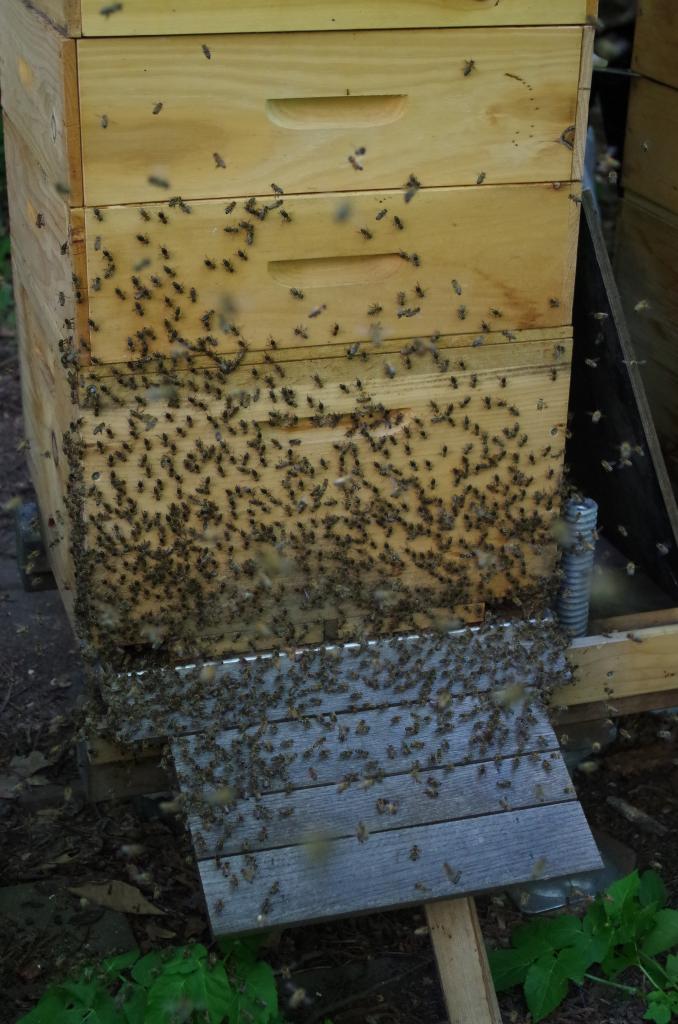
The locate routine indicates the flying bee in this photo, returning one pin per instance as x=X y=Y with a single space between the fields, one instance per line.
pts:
x=469 y=66
x=219 y=160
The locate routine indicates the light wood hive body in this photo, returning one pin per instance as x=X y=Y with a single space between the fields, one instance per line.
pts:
x=389 y=460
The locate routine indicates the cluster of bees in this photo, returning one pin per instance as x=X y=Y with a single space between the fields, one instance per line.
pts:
x=229 y=497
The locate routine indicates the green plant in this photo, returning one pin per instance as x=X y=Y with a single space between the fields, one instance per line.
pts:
x=628 y=926
x=171 y=986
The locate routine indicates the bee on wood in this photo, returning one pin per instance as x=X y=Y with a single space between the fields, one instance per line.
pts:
x=219 y=160
x=206 y=50
x=158 y=107
x=469 y=66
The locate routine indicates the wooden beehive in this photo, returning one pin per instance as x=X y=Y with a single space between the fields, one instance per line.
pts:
x=295 y=307
x=647 y=244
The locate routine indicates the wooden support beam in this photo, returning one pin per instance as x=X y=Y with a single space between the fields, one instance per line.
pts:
x=634 y=663
x=462 y=962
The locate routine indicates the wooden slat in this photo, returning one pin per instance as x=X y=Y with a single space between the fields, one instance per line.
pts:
x=647 y=270
x=651 y=151
x=232 y=692
x=320 y=814
x=291 y=109
x=511 y=249
x=656 y=41
x=39 y=93
x=488 y=852
x=154 y=17
x=622 y=665
x=241 y=760
x=462 y=962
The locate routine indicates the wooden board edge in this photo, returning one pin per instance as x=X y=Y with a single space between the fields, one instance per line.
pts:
x=63 y=15
x=243 y=20
x=649 y=658
x=462 y=962
x=72 y=126
x=583 y=100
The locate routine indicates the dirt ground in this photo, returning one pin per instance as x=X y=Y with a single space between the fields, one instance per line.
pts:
x=50 y=833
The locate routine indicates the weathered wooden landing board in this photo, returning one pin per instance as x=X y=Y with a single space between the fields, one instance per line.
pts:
x=334 y=811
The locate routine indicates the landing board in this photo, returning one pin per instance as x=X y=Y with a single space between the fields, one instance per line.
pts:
x=434 y=790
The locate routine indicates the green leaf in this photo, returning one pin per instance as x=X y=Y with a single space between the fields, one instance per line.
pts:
x=82 y=993
x=664 y=935
x=105 y=1011
x=545 y=987
x=574 y=962
x=117 y=964
x=618 y=960
x=659 y=1007
x=146 y=970
x=48 y=1009
x=209 y=989
x=164 y=997
x=553 y=932
x=509 y=966
x=620 y=905
x=596 y=940
x=186 y=960
x=260 y=988
x=671 y=967
x=651 y=889
x=243 y=952
x=134 y=1004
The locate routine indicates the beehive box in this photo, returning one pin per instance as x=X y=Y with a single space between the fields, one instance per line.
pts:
x=294 y=285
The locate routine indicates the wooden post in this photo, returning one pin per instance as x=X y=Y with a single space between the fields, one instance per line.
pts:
x=462 y=962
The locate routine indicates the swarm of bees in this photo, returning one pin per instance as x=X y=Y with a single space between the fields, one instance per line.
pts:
x=231 y=495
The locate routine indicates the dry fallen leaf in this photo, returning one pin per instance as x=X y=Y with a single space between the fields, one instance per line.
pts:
x=117 y=896
x=29 y=765
x=155 y=932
